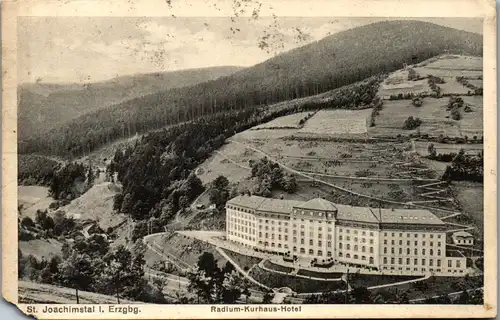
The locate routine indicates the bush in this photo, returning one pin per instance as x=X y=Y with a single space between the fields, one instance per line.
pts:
x=412 y=123
x=27 y=222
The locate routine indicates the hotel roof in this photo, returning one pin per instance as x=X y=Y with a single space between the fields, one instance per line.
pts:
x=344 y=212
x=462 y=234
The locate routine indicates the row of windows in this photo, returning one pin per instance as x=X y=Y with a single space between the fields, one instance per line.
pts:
x=408 y=242
x=355 y=247
x=311 y=242
x=240 y=228
x=273 y=245
x=415 y=251
x=356 y=257
x=242 y=222
x=311 y=213
x=408 y=235
x=311 y=221
x=239 y=213
x=363 y=233
x=355 y=239
x=272 y=236
x=311 y=252
x=243 y=236
x=313 y=228
x=272 y=228
x=415 y=269
x=272 y=222
x=311 y=234
x=415 y=262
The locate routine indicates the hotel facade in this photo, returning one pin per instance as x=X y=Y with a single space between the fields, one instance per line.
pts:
x=393 y=241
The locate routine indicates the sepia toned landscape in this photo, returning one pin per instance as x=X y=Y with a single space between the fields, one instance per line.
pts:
x=345 y=168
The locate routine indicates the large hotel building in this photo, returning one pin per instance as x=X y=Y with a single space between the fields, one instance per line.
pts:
x=399 y=241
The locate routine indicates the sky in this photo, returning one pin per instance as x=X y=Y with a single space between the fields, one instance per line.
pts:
x=89 y=49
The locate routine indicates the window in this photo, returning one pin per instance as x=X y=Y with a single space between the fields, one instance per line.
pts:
x=439 y=244
x=423 y=243
x=356 y=256
x=400 y=250
x=294 y=239
x=294 y=232
x=363 y=258
x=423 y=252
x=348 y=256
x=432 y=236
x=363 y=249
x=311 y=251
x=400 y=260
x=458 y=263
x=320 y=243
x=260 y=234
x=415 y=261
x=400 y=235
x=392 y=242
x=340 y=229
x=392 y=260
x=348 y=247
x=385 y=241
x=311 y=234
x=329 y=254
x=279 y=245
x=347 y=230
x=439 y=252
x=371 y=249
x=340 y=245
x=423 y=262
x=355 y=239
x=431 y=262
x=329 y=229
x=423 y=235
x=416 y=235
x=320 y=235
x=439 y=236
x=371 y=234
x=329 y=243
x=272 y=236
x=385 y=260
x=431 y=252
x=371 y=241
x=302 y=233
x=407 y=235
x=363 y=240
x=279 y=236
x=438 y=262
x=294 y=249
x=286 y=237
x=355 y=231
x=302 y=250
x=301 y=241
x=432 y=244
x=348 y=238
x=385 y=234
x=340 y=237
x=407 y=260
x=400 y=242
x=320 y=229
x=286 y=246
x=449 y=264
x=311 y=242
x=329 y=237
x=320 y=253
x=371 y=260
x=415 y=251
x=355 y=247
x=416 y=243
x=392 y=234
x=407 y=250
x=267 y=235
x=392 y=250
x=385 y=250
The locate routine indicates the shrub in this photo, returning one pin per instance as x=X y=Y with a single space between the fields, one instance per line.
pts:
x=412 y=123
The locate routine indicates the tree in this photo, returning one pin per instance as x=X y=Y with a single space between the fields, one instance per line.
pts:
x=27 y=222
x=219 y=191
x=268 y=298
x=290 y=184
x=431 y=150
x=76 y=272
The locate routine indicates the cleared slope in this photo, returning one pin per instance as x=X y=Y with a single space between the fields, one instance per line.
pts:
x=337 y=60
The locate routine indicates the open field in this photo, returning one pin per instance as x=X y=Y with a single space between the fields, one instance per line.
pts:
x=186 y=249
x=33 y=198
x=273 y=266
x=41 y=248
x=297 y=284
x=469 y=148
x=289 y=121
x=452 y=86
x=476 y=82
x=331 y=122
x=454 y=62
x=433 y=114
x=31 y=292
x=405 y=86
x=244 y=261
x=470 y=197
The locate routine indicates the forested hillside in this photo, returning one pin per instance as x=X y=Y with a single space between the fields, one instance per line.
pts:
x=337 y=60
x=44 y=106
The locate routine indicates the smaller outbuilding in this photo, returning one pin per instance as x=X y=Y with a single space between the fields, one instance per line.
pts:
x=463 y=238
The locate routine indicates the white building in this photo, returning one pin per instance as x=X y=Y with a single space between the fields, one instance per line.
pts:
x=400 y=241
x=463 y=238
